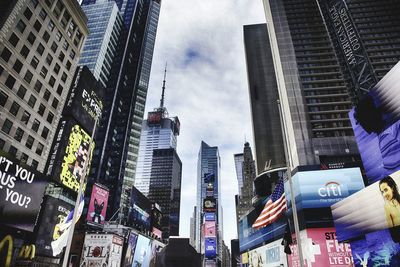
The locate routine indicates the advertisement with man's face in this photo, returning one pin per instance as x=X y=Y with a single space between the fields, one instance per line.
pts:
x=321 y=248
x=270 y=255
x=103 y=250
x=54 y=213
x=143 y=252
x=376 y=125
x=97 y=205
x=377 y=249
x=21 y=192
x=376 y=207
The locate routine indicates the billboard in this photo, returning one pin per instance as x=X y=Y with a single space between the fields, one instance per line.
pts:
x=143 y=250
x=209 y=229
x=156 y=217
x=21 y=192
x=376 y=207
x=140 y=210
x=375 y=121
x=84 y=102
x=270 y=255
x=210 y=248
x=130 y=249
x=72 y=149
x=98 y=205
x=321 y=248
x=377 y=249
x=102 y=250
x=54 y=212
x=154 y=117
x=209 y=204
x=209 y=216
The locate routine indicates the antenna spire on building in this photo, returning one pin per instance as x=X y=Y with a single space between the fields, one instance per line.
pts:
x=163 y=87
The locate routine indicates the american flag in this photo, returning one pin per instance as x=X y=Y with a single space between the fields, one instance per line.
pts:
x=275 y=206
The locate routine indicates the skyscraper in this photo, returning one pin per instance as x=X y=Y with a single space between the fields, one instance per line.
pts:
x=238 y=158
x=263 y=92
x=117 y=139
x=40 y=46
x=209 y=232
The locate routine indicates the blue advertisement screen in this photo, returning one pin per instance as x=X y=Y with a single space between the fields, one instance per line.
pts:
x=210 y=248
x=377 y=249
x=209 y=216
x=142 y=252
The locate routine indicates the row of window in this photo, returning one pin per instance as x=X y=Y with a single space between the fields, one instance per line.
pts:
x=24 y=157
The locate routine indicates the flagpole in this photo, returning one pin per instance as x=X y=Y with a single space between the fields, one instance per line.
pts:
x=78 y=200
x=292 y=197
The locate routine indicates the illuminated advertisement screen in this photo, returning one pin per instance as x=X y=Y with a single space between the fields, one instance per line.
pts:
x=320 y=248
x=54 y=212
x=250 y=238
x=156 y=218
x=154 y=117
x=143 y=252
x=376 y=207
x=270 y=255
x=375 y=122
x=315 y=191
x=209 y=216
x=209 y=229
x=210 y=246
x=84 y=102
x=381 y=248
x=209 y=204
x=97 y=205
x=102 y=250
x=140 y=210
x=130 y=250
x=21 y=192
x=69 y=154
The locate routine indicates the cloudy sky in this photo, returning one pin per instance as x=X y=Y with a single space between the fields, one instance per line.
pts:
x=202 y=41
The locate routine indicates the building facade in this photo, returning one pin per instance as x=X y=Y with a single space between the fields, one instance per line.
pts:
x=238 y=158
x=40 y=46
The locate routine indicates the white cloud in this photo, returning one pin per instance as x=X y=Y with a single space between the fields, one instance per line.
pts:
x=206 y=88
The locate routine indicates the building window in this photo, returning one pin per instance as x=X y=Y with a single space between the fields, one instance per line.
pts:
x=13 y=40
x=58 y=9
x=24 y=158
x=21 y=92
x=41 y=109
x=50 y=26
x=49 y=59
x=68 y=65
x=19 y=133
x=58 y=36
x=64 y=77
x=2 y=143
x=38 y=86
x=65 y=19
x=24 y=51
x=34 y=62
x=72 y=54
x=21 y=26
x=39 y=149
x=59 y=89
x=50 y=117
x=45 y=132
x=10 y=81
x=37 y=26
x=6 y=54
x=25 y=117
x=7 y=126
x=3 y=98
x=28 y=13
x=46 y=36
x=28 y=76
x=34 y=164
x=40 y=49
x=34 y=3
x=52 y=81
x=65 y=45
x=56 y=68
x=12 y=150
x=43 y=72
x=54 y=47
x=61 y=56
x=29 y=142
x=31 y=38
x=14 y=108
x=17 y=66
x=42 y=14
x=55 y=103
x=32 y=101
x=46 y=95
x=35 y=125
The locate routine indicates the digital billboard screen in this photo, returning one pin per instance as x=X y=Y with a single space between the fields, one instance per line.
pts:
x=209 y=204
x=374 y=208
x=209 y=216
x=270 y=255
x=84 y=102
x=70 y=152
x=209 y=229
x=97 y=205
x=54 y=212
x=210 y=246
x=320 y=248
x=102 y=250
x=154 y=117
x=130 y=249
x=21 y=192
x=140 y=210
x=375 y=121
x=142 y=254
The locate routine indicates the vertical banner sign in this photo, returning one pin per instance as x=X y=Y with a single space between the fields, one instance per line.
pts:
x=348 y=45
x=98 y=205
x=21 y=192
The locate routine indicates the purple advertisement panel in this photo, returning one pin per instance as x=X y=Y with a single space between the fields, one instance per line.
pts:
x=97 y=205
x=210 y=247
x=375 y=121
x=130 y=250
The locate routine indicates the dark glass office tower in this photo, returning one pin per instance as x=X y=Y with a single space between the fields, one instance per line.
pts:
x=263 y=92
x=117 y=140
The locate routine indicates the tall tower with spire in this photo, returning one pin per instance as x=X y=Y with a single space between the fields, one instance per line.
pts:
x=159 y=169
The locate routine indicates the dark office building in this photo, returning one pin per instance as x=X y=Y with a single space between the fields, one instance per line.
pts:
x=263 y=92
x=117 y=140
x=165 y=188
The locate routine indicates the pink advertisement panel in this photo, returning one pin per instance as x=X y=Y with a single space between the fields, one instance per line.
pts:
x=97 y=205
x=209 y=229
x=321 y=248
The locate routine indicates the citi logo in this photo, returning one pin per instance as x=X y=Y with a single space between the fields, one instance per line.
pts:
x=330 y=189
